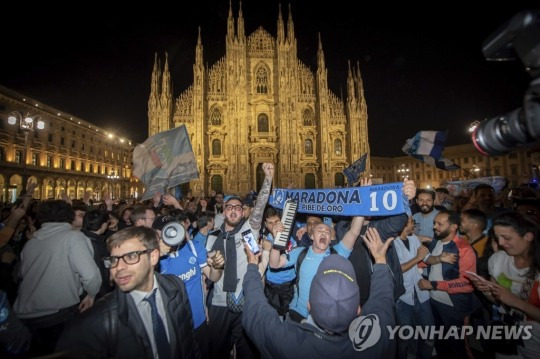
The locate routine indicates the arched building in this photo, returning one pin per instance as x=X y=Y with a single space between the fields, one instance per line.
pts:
x=68 y=156
x=261 y=103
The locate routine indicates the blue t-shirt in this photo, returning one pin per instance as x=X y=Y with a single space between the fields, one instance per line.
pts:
x=280 y=275
x=308 y=269
x=200 y=238
x=186 y=263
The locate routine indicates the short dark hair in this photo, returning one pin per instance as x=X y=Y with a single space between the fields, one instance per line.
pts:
x=442 y=190
x=477 y=216
x=482 y=186
x=94 y=219
x=428 y=191
x=114 y=214
x=271 y=212
x=533 y=202
x=126 y=209
x=453 y=217
x=181 y=216
x=56 y=211
x=79 y=207
x=138 y=213
x=147 y=236
x=203 y=220
x=230 y=198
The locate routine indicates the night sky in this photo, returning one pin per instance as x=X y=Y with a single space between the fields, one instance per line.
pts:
x=420 y=72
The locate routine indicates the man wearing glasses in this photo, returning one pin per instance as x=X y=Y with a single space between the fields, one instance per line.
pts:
x=147 y=315
x=226 y=298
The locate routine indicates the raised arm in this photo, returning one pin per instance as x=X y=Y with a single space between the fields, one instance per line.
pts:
x=255 y=220
x=277 y=260
x=349 y=239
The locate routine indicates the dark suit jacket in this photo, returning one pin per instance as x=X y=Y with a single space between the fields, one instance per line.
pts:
x=112 y=328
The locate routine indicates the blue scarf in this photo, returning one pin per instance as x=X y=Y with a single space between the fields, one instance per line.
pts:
x=378 y=200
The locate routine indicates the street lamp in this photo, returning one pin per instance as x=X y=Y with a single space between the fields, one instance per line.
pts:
x=112 y=176
x=403 y=171
x=474 y=172
x=27 y=123
x=473 y=126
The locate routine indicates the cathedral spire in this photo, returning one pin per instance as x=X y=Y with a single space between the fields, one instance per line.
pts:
x=199 y=50
x=280 y=27
x=359 y=78
x=230 y=23
x=153 y=100
x=240 y=26
x=290 y=26
x=165 y=99
x=350 y=84
x=166 y=78
x=154 y=86
x=320 y=55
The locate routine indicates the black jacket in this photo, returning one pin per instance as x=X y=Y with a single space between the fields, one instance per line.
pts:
x=276 y=339
x=112 y=328
x=100 y=251
x=361 y=258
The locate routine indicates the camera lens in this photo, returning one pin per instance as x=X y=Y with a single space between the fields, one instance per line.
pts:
x=499 y=135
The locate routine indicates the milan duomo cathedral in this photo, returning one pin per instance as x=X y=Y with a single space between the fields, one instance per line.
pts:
x=260 y=103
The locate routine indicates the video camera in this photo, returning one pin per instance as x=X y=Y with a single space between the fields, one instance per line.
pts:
x=519 y=37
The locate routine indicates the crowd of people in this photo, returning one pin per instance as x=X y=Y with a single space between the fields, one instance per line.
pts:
x=174 y=277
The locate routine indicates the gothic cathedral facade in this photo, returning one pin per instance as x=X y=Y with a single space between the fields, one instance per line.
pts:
x=259 y=103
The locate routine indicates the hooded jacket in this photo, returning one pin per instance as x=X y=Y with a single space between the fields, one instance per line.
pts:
x=57 y=265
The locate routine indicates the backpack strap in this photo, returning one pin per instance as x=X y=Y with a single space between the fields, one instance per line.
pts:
x=299 y=261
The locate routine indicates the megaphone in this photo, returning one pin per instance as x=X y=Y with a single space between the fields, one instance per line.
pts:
x=173 y=234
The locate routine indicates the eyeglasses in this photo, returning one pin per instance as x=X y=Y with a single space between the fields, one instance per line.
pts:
x=231 y=207
x=129 y=258
x=149 y=218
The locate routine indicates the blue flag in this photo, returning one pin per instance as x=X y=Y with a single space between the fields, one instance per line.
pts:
x=428 y=146
x=356 y=169
x=165 y=160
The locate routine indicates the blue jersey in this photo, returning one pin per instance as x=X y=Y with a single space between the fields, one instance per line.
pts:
x=308 y=269
x=200 y=238
x=280 y=275
x=186 y=263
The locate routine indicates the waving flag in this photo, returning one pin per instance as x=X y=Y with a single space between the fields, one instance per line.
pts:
x=165 y=160
x=428 y=146
x=356 y=169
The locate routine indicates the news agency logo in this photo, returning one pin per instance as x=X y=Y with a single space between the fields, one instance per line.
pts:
x=365 y=332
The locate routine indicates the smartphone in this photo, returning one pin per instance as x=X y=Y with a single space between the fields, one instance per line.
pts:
x=250 y=240
x=476 y=276
x=328 y=221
